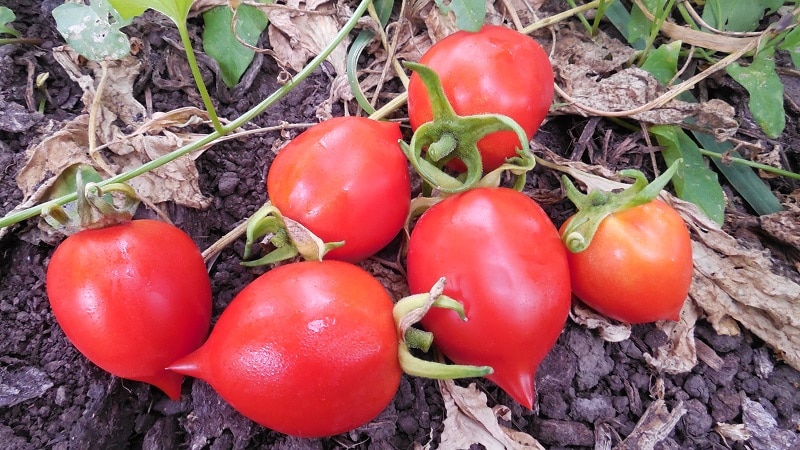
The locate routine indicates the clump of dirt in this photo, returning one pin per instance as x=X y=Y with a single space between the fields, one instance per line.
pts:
x=52 y=397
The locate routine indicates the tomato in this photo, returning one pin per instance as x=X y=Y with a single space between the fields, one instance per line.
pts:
x=503 y=259
x=638 y=266
x=132 y=298
x=345 y=179
x=496 y=70
x=308 y=349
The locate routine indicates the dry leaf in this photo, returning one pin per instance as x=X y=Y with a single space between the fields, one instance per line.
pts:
x=785 y=225
x=608 y=329
x=176 y=181
x=679 y=354
x=591 y=73
x=656 y=424
x=470 y=421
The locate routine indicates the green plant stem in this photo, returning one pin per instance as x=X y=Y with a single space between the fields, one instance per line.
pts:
x=546 y=22
x=198 y=77
x=30 y=41
x=33 y=211
x=583 y=20
x=753 y=164
x=655 y=29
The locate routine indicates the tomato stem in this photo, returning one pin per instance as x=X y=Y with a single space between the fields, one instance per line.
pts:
x=451 y=136
x=595 y=206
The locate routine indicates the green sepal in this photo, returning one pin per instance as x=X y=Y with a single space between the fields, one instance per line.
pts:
x=595 y=206
x=288 y=237
x=451 y=136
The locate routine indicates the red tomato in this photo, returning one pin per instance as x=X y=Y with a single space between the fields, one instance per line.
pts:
x=503 y=259
x=132 y=298
x=345 y=179
x=494 y=71
x=308 y=349
x=638 y=266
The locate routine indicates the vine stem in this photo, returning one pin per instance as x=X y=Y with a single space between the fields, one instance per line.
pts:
x=546 y=22
x=33 y=211
x=753 y=164
x=198 y=77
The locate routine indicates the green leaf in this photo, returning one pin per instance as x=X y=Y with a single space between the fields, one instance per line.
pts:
x=738 y=15
x=177 y=10
x=752 y=188
x=662 y=62
x=791 y=44
x=93 y=30
x=765 y=89
x=470 y=14
x=220 y=43
x=7 y=16
x=694 y=182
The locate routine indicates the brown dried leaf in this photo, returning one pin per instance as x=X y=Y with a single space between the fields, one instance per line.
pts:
x=470 y=421
x=176 y=181
x=656 y=424
x=608 y=329
x=785 y=225
x=679 y=354
x=591 y=72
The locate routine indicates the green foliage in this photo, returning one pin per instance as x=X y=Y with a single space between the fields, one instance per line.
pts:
x=470 y=14
x=694 y=181
x=765 y=89
x=662 y=62
x=738 y=15
x=791 y=44
x=220 y=43
x=7 y=16
x=93 y=30
x=177 y=10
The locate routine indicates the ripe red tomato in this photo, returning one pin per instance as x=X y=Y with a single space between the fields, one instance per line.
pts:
x=638 y=266
x=345 y=179
x=503 y=259
x=496 y=70
x=132 y=298
x=308 y=349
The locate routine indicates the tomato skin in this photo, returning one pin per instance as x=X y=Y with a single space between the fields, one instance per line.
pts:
x=503 y=259
x=132 y=298
x=345 y=179
x=308 y=349
x=638 y=266
x=495 y=70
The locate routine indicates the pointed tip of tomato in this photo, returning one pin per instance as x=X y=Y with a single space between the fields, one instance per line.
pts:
x=168 y=382
x=520 y=388
x=190 y=365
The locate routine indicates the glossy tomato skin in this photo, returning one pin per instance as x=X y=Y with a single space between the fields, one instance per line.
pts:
x=345 y=179
x=638 y=266
x=495 y=70
x=503 y=259
x=132 y=298
x=308 y=349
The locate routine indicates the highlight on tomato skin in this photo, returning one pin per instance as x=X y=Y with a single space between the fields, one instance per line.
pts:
x=345 y=179
x=503 y=259
x=496 y=70
x=132 y=298
x=638 y=266
x=308 y=349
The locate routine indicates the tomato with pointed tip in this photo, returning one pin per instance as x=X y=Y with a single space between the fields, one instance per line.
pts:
x=345 y=179
x=308 y=349
x=504 y=261
x=496 y=70
x=637 y=267
x=132 y=298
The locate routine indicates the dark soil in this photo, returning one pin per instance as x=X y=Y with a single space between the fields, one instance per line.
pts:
x=52 y=397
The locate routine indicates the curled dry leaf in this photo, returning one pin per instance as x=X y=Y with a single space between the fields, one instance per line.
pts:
x=656 y=424
x=679 y=354
x=785 y=225
x=608 y=329
x=470 y=421
x=592 y=75
x=759 y=429
x=176 y=181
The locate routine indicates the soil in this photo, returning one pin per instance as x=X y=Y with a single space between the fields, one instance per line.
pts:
x=51 y=397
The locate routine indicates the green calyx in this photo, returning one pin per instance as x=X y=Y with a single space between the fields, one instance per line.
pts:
x=287 y=237
x=595 y=206
x=409 y=311
x=450 y=136
x=95 y=206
